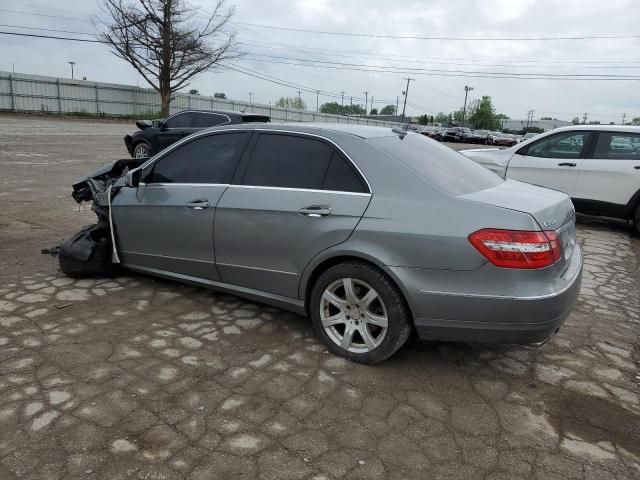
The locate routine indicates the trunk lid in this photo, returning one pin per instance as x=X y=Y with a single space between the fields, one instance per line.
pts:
x=551 y=209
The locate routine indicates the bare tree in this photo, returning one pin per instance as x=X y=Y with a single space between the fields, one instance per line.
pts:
x=164 y=42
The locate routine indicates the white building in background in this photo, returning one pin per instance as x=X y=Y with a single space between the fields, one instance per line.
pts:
x=510 y=124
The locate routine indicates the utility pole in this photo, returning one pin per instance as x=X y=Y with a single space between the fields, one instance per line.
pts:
x=366 y=101
x=350 y=105
x=584 y=118
x=624 y=116
x=371 y=109
x=529 y=119
x=72 y=64
x=342 y=103
x=406 y=94
x=467 y=89
x=317 y=101
x=250 y=98
x=397 y=103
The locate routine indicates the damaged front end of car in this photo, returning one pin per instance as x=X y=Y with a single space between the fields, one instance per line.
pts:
x=90 y=251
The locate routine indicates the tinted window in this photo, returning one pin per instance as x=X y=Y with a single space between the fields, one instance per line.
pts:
x=204 y=120
x=342 y=177
x=180 y=120
x=288 y=161
x=618 y=146
x=561 y=145
x=210 y=159
x=447 y=170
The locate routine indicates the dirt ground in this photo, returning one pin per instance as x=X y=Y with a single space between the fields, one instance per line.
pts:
x=136 y=377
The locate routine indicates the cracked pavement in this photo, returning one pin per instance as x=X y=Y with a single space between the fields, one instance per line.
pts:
x=141 y=378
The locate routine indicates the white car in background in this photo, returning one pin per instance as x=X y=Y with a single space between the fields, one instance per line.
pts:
x=598 y=166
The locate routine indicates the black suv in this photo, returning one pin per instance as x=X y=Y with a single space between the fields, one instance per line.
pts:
x=155 y=135
x=456 y=134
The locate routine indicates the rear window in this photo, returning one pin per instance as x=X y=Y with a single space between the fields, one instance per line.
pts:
x=447 y=170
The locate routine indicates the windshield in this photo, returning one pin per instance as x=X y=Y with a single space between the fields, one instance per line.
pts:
x=446 y=169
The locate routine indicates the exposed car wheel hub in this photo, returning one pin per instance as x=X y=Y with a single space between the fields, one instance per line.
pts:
x=353 y=315
x=141 y=151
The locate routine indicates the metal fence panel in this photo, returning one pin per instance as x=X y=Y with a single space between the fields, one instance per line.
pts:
x=20 y=92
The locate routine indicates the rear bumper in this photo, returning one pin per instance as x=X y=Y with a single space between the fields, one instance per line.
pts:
x=465 y=316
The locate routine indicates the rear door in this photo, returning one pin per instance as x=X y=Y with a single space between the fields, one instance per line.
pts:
x=612 y=173
x=166 y=223
x=295 y=195
x=553 y=161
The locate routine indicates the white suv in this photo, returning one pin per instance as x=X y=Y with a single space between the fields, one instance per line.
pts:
x=598 y=166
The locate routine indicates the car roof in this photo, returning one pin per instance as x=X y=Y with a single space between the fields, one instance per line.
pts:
x=604 y=128
x=361 y=131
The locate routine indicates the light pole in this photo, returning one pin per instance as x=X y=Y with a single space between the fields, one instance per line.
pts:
x=406 y=94
x=366 y=101
x=72 y=64
x=342 y=103
x=317 y=101
x=467 y=89
x=250 y=98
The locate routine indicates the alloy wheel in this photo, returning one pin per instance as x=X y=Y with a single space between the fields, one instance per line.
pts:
x=353 y=315
x=141 y=151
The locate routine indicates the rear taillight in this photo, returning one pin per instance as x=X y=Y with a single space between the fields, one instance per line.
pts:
x=517 y=248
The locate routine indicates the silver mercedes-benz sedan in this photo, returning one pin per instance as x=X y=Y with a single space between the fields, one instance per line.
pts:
x=371 y=232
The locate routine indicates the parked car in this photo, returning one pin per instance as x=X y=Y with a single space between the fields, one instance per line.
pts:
x=480 y=136
x=155 y=135
x=502 y=139
x=598 y=166
x=529 y=135
x=372 y=232
x=429 y=131
x=456 y=134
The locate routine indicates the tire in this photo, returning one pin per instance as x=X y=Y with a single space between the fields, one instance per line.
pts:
x=362 y=318
x=636 y=220
x=99 y=263
x=141 y=150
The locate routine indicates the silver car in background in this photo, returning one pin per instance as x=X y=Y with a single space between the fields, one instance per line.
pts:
x=372 y=232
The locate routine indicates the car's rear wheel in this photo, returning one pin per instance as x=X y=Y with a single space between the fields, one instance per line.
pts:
x=359 y=313
x=142 y=150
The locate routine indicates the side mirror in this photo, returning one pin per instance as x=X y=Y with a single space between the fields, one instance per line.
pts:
x=133 y=178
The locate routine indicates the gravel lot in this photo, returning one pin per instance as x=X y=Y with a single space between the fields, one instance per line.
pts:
x=141 y=378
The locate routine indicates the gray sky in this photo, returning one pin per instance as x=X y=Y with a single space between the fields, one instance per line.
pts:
x=604 y=100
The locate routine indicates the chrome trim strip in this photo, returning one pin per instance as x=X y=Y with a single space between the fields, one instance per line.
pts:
x=149 y=185
x=254 y=268
x=209 y=131
x=167 y=256
x=291 y=189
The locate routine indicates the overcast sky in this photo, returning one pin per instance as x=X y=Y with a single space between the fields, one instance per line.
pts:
x=564 y=99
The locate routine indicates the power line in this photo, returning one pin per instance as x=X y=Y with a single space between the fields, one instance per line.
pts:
x=52 y=37
x=47 y=29
x=43 y=15
x=418 y=37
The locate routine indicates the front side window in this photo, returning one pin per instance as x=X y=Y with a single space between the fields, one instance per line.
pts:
x=288 y=161
x=561 y=145
x=617 y=146
x=180 y=120
x=210 y=159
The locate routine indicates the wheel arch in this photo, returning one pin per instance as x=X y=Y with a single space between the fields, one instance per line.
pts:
x=328 y=259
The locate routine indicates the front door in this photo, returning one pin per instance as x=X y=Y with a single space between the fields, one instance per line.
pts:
x=612 y=173
x=295 y=196
x=552 y=162
x=175 y=128
x=166 y=223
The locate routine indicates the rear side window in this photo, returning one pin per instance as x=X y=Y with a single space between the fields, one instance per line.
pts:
x=288 y=161
x=204 y=120
x=561 y=145
x=617 y=146
x=447 y=170
x=342 y=177
x=210 y=159
x=180 y=120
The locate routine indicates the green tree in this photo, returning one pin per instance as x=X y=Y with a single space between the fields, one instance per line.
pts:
x=194 y=91
x=575 y=121
x=457 y=115
x=423 y=119
x=442 y=118
x=219 y=95
x=482 y=115
x=636 y=121
x=546 y=118
x=388 y=110
x=333 y=108
x=374 y=111
x=294 y=103
x=354 y=110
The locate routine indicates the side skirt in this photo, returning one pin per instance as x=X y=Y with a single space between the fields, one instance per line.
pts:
x=292 y=304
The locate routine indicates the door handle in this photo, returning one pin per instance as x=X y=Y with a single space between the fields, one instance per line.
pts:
x=198 y=204
x=315 y=211
x=567 y=164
